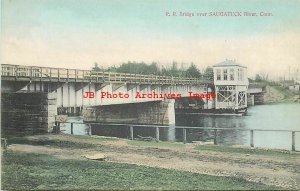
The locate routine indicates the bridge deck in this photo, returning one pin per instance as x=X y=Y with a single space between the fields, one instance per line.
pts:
x=35 y=73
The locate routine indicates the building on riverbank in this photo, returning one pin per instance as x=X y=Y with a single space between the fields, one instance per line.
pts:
x=231 y=84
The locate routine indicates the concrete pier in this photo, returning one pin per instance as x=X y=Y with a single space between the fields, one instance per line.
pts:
x=250 y=100
x=155 y=112
x=28 y=113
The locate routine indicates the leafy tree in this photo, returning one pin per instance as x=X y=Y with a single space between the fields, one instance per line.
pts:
x=208 y=74
x=193 y=71
x=96 y=67
x=153 y=68
x=139 y=68
x=111 y=69
x=258 y=78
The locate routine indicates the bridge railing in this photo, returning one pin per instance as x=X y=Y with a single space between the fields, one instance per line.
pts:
x=35 y=72
x=184 y=129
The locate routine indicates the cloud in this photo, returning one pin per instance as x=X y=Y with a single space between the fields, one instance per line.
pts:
x=267 y=53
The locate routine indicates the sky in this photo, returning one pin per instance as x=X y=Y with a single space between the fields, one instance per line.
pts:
x=78 y=33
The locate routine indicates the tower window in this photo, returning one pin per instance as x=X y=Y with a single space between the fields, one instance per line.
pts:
x=218 y=74
x=240 y=74
x=231 y=74
x=225 y=74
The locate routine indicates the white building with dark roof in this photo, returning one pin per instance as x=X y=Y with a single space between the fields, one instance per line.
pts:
x=231 y=84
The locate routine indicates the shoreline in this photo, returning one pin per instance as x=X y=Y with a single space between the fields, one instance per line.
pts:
x=276 y=169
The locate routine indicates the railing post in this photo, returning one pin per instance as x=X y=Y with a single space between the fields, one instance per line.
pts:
x=58 y=128
x=41 y=73
x=293 y=141
x=251 y=138
x=71 y=128
x=50 y=74
x=31 y=73
x=157 y=133
x=76 y=75
x=184 y=135
x=16 y=72
x=215 y=137
x=97 y=74
x=131 y=132
x=90 y=130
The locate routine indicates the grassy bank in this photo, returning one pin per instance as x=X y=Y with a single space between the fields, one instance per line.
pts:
x=38 y=171
x=56 y=162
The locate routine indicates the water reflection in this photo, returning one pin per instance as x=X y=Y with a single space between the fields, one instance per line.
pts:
x=165 y=134
x=279 y=116
x=223 y=136
x=78 y=129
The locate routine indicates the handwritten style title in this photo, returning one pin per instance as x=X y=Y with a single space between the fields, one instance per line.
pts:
x=152 y=95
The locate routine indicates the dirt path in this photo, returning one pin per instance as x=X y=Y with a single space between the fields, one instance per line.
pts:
x=267 y=169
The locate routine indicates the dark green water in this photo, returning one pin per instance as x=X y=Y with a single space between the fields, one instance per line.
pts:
x=266 y=117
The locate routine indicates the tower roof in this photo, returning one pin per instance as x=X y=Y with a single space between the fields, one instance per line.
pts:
x=228 y=63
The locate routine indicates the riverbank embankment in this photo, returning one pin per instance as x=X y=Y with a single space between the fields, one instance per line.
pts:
x=62 y=164
x=278 y=94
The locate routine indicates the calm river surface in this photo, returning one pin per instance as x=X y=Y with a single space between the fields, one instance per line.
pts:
x=268 y=117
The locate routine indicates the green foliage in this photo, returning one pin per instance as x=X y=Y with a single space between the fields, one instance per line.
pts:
x=263 y=79
x=193 y=71
x=139 y=68
x=97 y=68
x=250 y=80
x=258 y=78
x=208 y=74
x=142 y=68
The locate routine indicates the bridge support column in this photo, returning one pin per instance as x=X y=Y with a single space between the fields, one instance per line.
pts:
x=28 y=113
x=171 y=119
x=171 y=111
x=250 y=100
x=160 y=112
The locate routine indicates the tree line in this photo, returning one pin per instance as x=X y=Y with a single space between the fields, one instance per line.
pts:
x=191 y=71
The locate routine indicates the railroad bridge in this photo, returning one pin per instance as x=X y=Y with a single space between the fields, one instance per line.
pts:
x=38 y=95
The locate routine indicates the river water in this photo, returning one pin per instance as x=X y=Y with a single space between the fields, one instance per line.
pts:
x=267 y=117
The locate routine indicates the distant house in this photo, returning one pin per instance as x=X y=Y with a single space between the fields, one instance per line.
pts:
x=256 y=92
x=256 y=88
x=294 y=88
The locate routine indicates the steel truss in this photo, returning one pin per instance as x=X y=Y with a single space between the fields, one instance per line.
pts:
x=242 y=99
x=228 y=97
